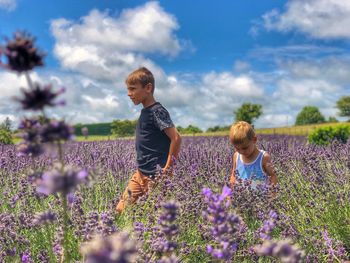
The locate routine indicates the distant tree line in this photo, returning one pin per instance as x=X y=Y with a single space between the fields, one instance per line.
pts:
x=248 y=112
x=93 y=129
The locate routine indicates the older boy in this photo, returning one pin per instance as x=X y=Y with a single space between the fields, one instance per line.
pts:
x=157 y=140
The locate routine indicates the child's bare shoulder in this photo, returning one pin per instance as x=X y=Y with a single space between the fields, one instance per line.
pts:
x=266 y=160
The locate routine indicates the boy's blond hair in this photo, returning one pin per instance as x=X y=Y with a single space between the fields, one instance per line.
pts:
x=141 y=75
x=241 y=132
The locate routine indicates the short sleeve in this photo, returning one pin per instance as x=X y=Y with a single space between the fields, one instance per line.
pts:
x=162 y=118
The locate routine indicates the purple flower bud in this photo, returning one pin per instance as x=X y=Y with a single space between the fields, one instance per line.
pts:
x=21 y=53
x=117 y=248
x=45 y=217
x=55 y=131
x=38 y=97
x=281 y=249
x=65 y=182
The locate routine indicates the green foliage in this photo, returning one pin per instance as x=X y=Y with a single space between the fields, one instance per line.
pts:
x=123 y=128
x=190 y=129
x=6 y=124
x=5 y=136
x=325 y=135
x=218 y=128
x=309 y=115
x=332 y=119
x=343 y=104
x=94 y=129
x=248 y=112
x=5 y=132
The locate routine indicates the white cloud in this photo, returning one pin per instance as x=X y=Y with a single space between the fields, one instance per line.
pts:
x=241 y=65
x=8 y=5
x=107 y=47
x=227 y=84
x=302 y=92
x=322 y=19
x=11 y=83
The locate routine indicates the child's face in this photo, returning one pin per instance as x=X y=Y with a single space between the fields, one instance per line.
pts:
x=137 y=93
x=246 y=149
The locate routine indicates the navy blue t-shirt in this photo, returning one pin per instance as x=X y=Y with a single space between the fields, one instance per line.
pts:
x=152 y=144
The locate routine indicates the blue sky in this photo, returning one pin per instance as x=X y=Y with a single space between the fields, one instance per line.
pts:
x=207 y=58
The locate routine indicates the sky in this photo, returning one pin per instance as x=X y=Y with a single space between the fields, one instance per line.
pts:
x=208 y=57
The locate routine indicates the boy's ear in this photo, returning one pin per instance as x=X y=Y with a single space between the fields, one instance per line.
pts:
x=149 y=87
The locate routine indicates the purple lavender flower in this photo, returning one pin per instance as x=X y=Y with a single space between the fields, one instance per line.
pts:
x=42 y=218
x=30 y=133
x=281 y=249
x=226 y=228
x=85 y=132
x=334 y=251
x=170 y=259
x=26 y=257
x=64 y=181
x=55 y=131
x=167 y=218
x=117 y=248
x=38 y=97
x=21 y=53
x=268 y=226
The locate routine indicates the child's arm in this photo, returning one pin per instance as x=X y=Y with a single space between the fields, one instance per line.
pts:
x=269 y=170
x=233 y=173
x=175 y=143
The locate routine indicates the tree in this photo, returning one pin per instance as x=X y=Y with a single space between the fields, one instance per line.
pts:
x=190 y=129
x=343 y=104
x=6 y=124
x=218 y=128
x=248 y=112
x=332 y=119
x=5 y=132
x=123 y=128
x=193 y=129
x=309 y=115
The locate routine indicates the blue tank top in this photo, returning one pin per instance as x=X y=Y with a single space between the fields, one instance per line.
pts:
x=251 y=171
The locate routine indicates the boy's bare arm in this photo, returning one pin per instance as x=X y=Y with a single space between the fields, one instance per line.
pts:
x=233 y=173
x=269 y=169
x=175 y=143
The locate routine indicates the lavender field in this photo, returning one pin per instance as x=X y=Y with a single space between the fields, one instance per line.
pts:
x=190 y=217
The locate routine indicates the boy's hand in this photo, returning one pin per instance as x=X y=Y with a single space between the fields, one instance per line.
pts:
x=167 y=171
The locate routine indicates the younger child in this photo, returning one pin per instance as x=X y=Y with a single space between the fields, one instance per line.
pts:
x=157 y=140
x=249 y=163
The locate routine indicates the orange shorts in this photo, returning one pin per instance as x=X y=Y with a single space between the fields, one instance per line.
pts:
x=138 y=185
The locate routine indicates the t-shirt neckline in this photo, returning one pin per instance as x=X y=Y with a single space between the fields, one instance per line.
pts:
x=150 y=106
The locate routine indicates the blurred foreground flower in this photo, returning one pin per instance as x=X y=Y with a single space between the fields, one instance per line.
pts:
x=282 y=249
x=227 y=229
x=65 y=182
x=117 y=248
x=21 y=53
x=55 y=131
x=44 y=217
x=38 y=97
x=30 y=133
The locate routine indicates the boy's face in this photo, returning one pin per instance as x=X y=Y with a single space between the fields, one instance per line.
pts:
x=247 y=148
x=137 y=93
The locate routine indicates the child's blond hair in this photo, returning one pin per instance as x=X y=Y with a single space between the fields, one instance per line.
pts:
x=141 y=75
x=241 y=132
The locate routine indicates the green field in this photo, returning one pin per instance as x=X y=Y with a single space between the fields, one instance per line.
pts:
x=291 y=130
